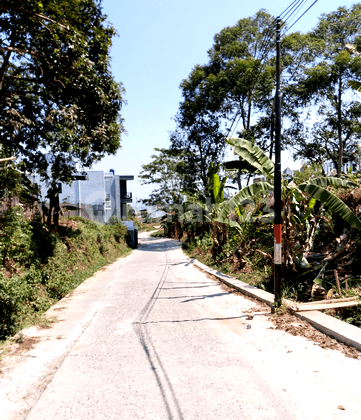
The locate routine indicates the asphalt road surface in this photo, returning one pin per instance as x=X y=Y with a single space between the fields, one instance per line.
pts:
x=153 y=337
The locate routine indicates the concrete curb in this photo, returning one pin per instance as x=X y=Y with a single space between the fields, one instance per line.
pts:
x=341 y=331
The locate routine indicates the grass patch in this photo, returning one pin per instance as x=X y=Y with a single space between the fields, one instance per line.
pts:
x=158 y=234
x=55 y=263
x=250 y=274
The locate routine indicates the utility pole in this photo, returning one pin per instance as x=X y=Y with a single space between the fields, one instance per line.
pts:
x=278 y=178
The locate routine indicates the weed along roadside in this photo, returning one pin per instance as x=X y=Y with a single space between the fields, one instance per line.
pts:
x=250 y=283
x=40 y=267
x=335 y=328
x=321 y=232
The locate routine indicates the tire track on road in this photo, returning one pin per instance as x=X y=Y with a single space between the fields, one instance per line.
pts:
x=140 y=326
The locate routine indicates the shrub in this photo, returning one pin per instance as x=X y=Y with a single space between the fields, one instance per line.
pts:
x=40 y=267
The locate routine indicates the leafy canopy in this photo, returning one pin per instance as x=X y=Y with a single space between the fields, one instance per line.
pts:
x=57 y=94
x=170 y=170
x=323 y=85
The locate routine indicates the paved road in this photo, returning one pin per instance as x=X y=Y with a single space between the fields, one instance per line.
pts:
x=161 y=340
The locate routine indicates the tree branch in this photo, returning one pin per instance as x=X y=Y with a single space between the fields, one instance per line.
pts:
x=19 y=51
x=17 y=9
x=6 y=62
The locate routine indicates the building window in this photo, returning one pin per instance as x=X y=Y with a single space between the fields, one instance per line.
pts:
x=107 y=201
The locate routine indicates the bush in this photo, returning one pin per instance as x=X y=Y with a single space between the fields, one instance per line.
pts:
x=40 y=267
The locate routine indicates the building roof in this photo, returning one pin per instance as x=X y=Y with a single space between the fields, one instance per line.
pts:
x=288 y=171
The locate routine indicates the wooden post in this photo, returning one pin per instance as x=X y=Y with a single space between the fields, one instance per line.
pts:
x=346 y=284
x=337 y=281
x=278 y=178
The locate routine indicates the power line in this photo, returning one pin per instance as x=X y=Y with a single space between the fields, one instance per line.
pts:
x=295 y=1
x=267 y=42
x=301 y=16
x=291 y=12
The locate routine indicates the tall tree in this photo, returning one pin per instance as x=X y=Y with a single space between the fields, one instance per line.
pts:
x=235 y=86
x=171 y=170
x=204 y=143
x=323 y=86
x=57 y=95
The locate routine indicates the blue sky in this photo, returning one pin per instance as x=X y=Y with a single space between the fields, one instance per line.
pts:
x=158 y=44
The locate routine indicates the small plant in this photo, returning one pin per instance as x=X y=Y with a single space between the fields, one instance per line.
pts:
x=41 y=266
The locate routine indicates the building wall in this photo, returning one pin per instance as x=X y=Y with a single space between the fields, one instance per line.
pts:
x=346 y=166
x=98 y=197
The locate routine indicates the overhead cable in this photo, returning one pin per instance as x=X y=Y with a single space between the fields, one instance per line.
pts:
x=266 y=45
x=301 y=16
x=292 y=11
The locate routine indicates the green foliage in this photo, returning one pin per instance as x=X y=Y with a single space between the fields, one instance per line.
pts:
x=307 y=172
x=41 y=267
x=232 y=209
x=254 y=156
x=13 y=295
x=130 y=211
x=170 y=170
x=215 y=184
x=330 y=200
x=323 y=83
x=231 y=87
x=315 y=187
x=227 y=87
x=56 y=91
x=15 y=238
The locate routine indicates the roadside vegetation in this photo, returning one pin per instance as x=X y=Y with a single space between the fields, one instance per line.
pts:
x=223 y=210
x=320 y=229
x=40 y=266
x=63 y=100
x=60 y=112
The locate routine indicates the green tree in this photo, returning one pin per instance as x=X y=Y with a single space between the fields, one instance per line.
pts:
x=204 y=143
x=171 y=171
x=235 y=85
x=323 y=86
x=57 y=95
x=130 y=211
x=235 y=88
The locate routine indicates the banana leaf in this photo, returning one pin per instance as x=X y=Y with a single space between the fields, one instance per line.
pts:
x=355 y=85
x=229 y=206
x=332 y=202
x=217 y=188
x=324 y=182
x=253 y=155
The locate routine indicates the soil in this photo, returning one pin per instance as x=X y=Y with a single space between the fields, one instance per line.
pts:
x=69 y=223
x=21 y=346
x=294 y=326
x=297 y=327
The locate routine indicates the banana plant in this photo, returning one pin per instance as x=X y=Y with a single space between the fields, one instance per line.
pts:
x=233 y=208
x=298 y=217
x=315 y=188
x=210 y=203
x=254 y=156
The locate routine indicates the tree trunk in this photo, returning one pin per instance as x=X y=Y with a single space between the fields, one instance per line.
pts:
x=54 y=208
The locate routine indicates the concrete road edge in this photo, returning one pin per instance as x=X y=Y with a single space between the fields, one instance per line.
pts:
x=340 y=330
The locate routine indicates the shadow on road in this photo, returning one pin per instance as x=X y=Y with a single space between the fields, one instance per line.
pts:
x=158 y=244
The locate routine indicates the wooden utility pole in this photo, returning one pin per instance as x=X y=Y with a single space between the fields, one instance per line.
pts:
x=278 y=178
